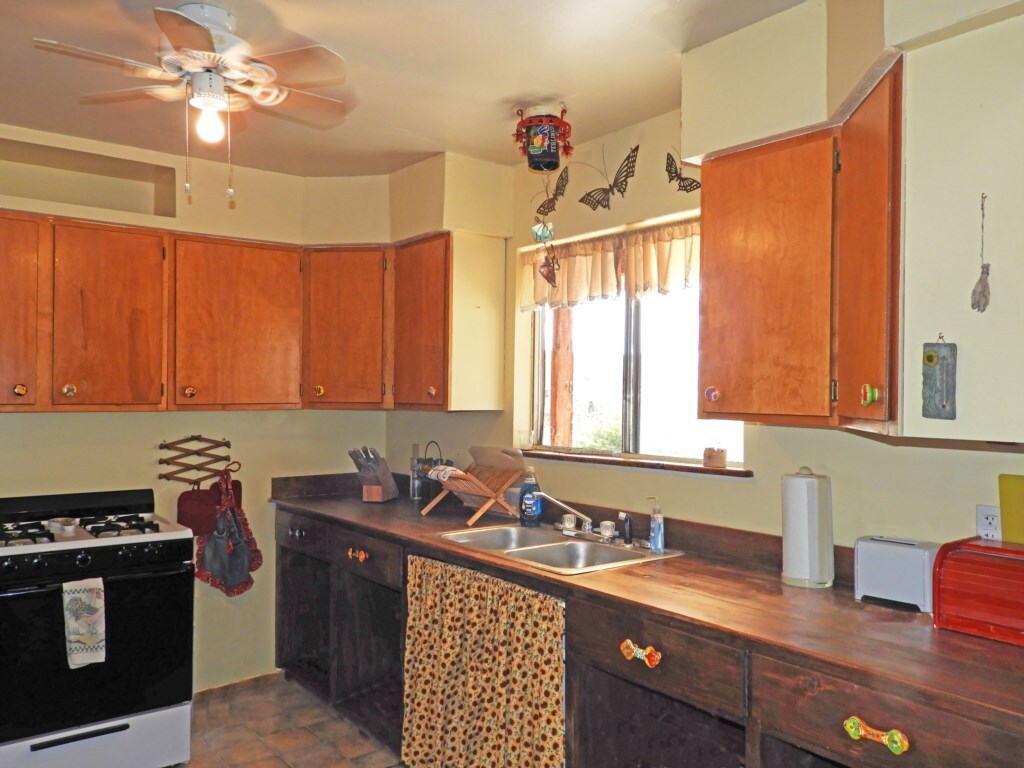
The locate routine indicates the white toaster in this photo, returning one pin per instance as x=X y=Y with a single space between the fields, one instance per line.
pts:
x=894 y=569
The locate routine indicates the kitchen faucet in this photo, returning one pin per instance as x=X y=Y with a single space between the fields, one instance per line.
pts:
x=588 y=523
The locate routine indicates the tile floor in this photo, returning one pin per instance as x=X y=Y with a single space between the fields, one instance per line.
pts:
x=268 y=722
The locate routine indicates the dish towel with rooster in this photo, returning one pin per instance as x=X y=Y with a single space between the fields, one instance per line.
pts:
x=85 y=622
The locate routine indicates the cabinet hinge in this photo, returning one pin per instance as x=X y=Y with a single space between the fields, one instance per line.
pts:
x=162 y=389
x=163 y=253
x=383 y=389
x=834 y=391
x=837 y=164
x=385 y=263
x=300 y=265
x=300 y=390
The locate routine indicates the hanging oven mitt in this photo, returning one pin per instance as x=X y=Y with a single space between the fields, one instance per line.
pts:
x=227 y=556
x=197 y=508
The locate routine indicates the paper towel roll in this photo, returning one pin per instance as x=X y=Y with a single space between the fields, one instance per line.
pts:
x=808 y=558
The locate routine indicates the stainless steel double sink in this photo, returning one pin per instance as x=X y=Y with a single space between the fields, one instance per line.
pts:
x=549 y=550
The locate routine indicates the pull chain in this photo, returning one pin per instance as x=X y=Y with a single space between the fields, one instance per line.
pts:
x=231 y=169
x=188 y=180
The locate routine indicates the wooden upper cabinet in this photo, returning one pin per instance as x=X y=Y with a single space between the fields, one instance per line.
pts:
x=237 y=325
x=108 y=317
x=21 y=241
x=422 y=296
x=344 y=328
x=766 y=280
x=867 y=248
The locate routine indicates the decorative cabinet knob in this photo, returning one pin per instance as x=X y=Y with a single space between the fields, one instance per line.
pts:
x=895 y=741
x=711 y=394
x=648 y=655
x=358 y=554
x=431 y=391
x=190 y=391
x=19 y=390
x=319 y=391
x=868 y=395
x=69 y=390
x=296 y=533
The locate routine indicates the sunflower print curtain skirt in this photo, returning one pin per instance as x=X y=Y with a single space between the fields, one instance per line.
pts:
x=484 y=672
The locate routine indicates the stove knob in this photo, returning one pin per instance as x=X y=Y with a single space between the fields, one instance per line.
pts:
x=124 y=554
x=83 y=560
x=8 y=566
x=151 y=550
x=38 y=562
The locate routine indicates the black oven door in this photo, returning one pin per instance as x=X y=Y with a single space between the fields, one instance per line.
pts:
x=148 y=655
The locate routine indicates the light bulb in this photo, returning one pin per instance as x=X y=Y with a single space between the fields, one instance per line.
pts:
x=209 y=127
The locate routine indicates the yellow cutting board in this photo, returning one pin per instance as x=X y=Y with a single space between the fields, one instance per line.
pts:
x=1011 y=507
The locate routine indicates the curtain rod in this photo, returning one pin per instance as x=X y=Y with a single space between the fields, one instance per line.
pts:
x=637 y=226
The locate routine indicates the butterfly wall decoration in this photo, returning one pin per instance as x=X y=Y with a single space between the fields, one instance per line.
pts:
x=601 y=197
x=686 y=183
x=549 y=204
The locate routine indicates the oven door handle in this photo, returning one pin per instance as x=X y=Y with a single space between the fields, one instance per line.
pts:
x=35 y=589
x=151 y=573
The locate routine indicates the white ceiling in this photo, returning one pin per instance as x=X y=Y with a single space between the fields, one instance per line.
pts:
x=424 y=76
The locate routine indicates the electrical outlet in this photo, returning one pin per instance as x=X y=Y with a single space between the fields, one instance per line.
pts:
x=989 y=525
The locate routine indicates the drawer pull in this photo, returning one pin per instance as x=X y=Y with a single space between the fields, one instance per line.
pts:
x=296 y=533
x=358 y=554
x=896 y=741
x=20 y=390
x=648 y=655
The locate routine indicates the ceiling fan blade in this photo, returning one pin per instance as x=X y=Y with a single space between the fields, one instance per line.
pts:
x=162 y=92
x=310 y=109
x=183 y=32
x=305 y=67
x=130 y=67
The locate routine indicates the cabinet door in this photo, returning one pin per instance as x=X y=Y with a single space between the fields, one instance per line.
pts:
x=765 y=280
x=345 y=328
x=422 y=286
x=108 y=317
x=867 y=248
x=19 y=296
x=237 y=326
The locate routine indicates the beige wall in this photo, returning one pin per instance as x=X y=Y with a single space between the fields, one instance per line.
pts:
x=764 y=79
x=417 y=198
x=965 y=106
x=354 y=209
x=911 y=23
x=855 y=39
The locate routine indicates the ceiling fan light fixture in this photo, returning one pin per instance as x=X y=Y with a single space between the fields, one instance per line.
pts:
x=208 y=92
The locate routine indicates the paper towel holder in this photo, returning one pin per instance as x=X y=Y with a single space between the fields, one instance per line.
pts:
x=808 y=556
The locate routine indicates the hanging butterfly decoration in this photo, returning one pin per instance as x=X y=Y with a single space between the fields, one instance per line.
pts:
x=686 y=183
x=549 y=204
x=549 y=266
x=601 y=197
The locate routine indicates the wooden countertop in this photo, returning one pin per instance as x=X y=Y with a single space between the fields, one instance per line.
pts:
x=827 y=630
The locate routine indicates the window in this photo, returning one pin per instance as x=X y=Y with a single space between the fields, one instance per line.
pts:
x=618 y=373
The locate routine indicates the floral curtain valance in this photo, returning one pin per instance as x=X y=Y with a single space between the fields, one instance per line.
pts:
x=639 y=261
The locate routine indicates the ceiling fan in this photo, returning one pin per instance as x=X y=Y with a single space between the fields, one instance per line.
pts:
x=201 y=59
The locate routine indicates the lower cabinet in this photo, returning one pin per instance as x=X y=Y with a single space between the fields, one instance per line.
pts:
x=803 y=713
x=339 y=619
x=678 y=700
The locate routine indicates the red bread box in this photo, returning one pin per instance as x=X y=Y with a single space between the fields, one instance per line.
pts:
x=979 y=589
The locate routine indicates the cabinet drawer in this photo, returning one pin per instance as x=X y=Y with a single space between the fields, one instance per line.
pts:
x=369 y=557
x=809 y=709
x=303 y=534
x=691 y=668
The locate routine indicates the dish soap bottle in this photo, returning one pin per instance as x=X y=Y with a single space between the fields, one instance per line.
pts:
x=529 y=504
x=657 y=528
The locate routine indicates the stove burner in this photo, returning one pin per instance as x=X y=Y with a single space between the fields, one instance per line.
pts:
x=22 y=534
x=118 y=525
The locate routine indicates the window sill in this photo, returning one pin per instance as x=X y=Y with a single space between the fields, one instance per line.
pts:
x=635 y=462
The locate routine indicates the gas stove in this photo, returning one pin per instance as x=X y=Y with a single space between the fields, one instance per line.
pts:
x=125 y=707
x=79 y=535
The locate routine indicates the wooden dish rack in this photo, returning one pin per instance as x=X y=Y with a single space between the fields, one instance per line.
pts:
x=481 y=481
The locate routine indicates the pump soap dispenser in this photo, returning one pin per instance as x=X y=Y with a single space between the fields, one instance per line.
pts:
x=657 y=528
